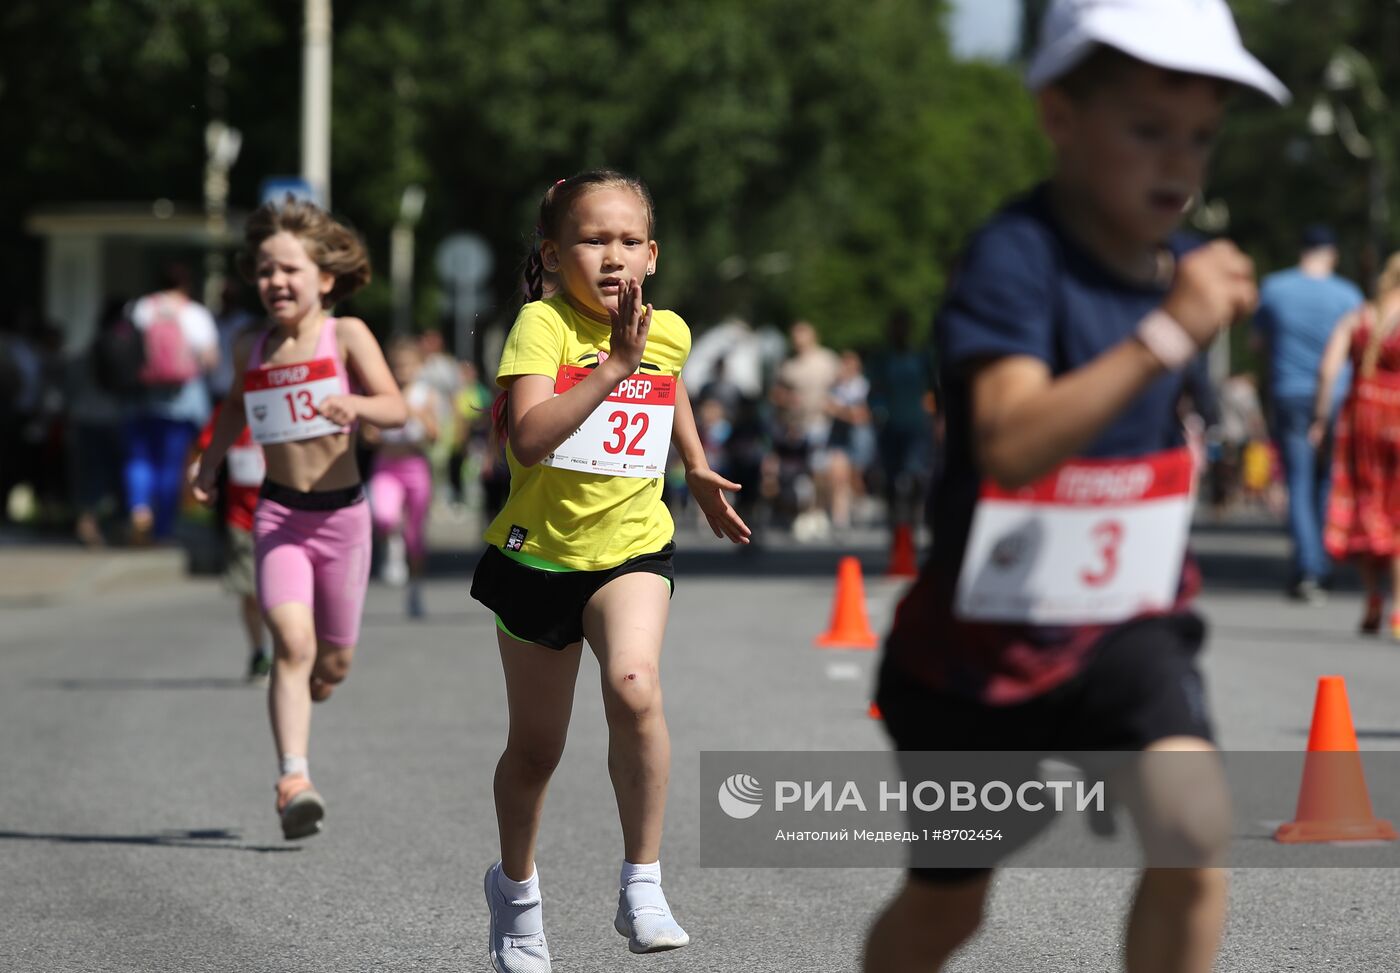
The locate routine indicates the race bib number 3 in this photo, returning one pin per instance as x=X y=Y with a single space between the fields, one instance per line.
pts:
x=281 y=401
x=628 y=435
x=1095 y=542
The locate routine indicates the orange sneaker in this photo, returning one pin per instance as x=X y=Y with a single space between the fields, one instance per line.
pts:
x=299 y=806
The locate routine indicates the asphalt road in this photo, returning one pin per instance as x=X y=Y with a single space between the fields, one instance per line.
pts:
x=137 y=830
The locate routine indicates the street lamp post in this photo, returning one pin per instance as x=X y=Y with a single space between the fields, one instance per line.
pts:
x=401 y=257
x=221 y=146
x=316 y=100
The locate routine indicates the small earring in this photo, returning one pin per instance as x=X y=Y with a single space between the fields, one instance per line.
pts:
x=650 y=271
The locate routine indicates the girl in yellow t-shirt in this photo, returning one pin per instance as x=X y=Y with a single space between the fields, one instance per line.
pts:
x=582 y=549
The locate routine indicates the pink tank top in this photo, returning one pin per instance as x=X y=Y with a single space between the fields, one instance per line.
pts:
x=326 y=347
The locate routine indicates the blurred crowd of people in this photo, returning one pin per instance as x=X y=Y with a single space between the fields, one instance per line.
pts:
x=99 y=439
x=822 y=441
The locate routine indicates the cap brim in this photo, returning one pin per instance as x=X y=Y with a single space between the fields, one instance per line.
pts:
x=1226 y=59
x=1227 y=62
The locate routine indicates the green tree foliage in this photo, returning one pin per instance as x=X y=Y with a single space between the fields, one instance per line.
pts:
x=806 y=159
x=1274 y=171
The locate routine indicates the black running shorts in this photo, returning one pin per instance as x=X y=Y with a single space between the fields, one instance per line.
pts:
x=546 y=607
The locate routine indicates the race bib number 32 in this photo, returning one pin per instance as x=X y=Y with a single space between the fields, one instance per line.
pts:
x=281 y=401
x=1095 y=542
x=628 y=435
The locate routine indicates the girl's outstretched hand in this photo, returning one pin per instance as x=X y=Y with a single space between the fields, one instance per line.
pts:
x=708 y=489
x=631 y=323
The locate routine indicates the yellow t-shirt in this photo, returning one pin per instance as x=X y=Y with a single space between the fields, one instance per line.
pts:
x=585 y=521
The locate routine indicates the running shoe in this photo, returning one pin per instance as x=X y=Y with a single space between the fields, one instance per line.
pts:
x=299 y=806
x=644 y=917
x=395 y=569
x=516 y=942
x=259 y=668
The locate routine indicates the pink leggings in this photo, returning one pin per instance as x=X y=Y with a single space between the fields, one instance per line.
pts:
x=400 y=491
x=317 y=558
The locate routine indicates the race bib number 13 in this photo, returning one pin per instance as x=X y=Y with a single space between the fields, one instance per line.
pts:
x=281 y=401
x=628 y=435
x=1095 y=542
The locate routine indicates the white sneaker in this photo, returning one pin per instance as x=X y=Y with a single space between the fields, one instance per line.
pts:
x=516 y=941
x=395 y=570
x=644 y=917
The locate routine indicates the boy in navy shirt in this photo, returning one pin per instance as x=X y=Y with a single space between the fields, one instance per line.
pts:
x=1039 y=623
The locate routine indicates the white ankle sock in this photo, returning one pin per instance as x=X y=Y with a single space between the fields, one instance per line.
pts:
x=518 y=891
x=294 y=765
x=639 y=873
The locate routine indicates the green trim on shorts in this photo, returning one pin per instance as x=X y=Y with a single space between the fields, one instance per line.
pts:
x=502 y=626
x=539 y=563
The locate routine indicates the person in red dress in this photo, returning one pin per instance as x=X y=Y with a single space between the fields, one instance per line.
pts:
x=1363 y=514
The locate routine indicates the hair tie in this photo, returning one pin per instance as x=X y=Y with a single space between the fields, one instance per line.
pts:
x=560 y=182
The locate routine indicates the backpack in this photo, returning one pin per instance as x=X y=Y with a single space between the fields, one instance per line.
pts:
x=169 y=360
x=119 y=357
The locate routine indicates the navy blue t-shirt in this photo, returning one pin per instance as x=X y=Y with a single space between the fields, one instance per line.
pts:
x=1023 y=288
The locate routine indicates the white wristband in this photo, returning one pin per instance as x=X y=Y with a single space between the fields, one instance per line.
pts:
x=1169 y=342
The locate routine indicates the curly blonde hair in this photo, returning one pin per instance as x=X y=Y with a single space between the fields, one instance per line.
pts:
x=331 y=245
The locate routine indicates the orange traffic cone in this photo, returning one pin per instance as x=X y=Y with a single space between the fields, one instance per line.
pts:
x=850 y=627
x=1333 y=803
x=874 y=711
x=903 y=563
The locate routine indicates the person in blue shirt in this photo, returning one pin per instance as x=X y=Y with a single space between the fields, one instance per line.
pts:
x=1062 y=344
x=1298 y=308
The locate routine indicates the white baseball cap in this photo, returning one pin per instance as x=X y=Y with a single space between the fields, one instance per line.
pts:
x=1193 y=36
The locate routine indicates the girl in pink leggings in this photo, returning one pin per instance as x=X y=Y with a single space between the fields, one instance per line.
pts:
x=311 y=529
x=401 y=489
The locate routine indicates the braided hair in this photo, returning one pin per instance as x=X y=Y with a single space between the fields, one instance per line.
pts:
x=558 y=201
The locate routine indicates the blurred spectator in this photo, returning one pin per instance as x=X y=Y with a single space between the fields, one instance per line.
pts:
x=787 y=484
x=850 y=442
x=719 y=388
x=712 y=422
x=440 y=373
x=31 y=403
x=806 y=379
x=471 y=429
x=181 y=344
x=745 y=449
x=440 y=370
x=901 y=378
x=96 y=444
x=234 y=316
x=1241 y=423
x=1363 y=517
x=1298 y=309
